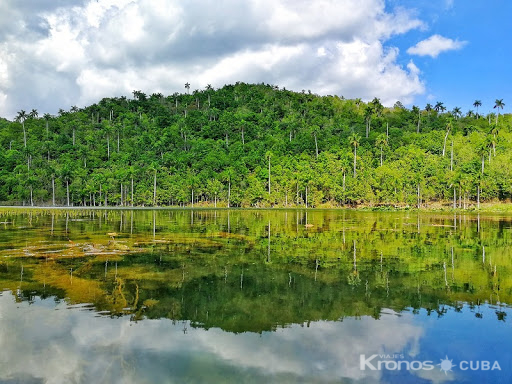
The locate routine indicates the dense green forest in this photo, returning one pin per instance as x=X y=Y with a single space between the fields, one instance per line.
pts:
x=255 y=145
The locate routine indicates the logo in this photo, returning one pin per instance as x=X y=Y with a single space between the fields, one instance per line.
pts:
x=446 y=365
x=396 y=362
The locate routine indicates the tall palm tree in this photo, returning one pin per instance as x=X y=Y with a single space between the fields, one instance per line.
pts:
x=21 y=117
x=209 y=88
x=439 y=106
x=381 y=142
x=33 y=114
x=187 y=87
x=368 y=112
x=477 y=104
x=268 y=155
x=47 y=118
x=448 y=129
x=457 y=112
x=494 y=138
x=498 y=104
x=428 y=108
x=354 y=140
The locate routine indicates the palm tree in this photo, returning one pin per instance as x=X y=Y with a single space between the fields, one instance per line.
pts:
x=268 y=155
x=21 y=117
x=368 y=112
x=477 y=104
x=498 y=104
x=33 y=114
x=47 y=118
x=439 y=106
x=494 y=137
x=428 y=108
x=354 y=139
x=457 y=112
x=209 y=88
x=448 y=129
x=381 y=142
x=187 y=87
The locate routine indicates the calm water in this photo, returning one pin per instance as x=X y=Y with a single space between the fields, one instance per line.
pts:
x=218 y=296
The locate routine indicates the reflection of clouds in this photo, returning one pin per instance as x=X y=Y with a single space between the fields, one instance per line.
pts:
x=435 y=376
x=63 y=346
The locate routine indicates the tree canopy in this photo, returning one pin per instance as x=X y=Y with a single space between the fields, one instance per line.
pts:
x=217 y=146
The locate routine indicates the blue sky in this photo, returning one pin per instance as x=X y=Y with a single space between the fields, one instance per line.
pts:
x=60 y=53
x=479 y=70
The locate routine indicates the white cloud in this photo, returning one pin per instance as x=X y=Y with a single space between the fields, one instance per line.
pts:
x=54 y=344
x=79 y=51
x=435 y=45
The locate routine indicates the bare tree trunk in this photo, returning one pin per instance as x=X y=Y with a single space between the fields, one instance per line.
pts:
x=243 y=139
x=154 y=190
x=355 y=156
x=269 y=175
x=268 y=253
x=444 y=145
x=53 y=190
x=478 y=197
x=108 y=147
x=451 y=159
x=229 y=192
x=67 y=192
x=316 y=146
x=24 y=134
x=132 y=192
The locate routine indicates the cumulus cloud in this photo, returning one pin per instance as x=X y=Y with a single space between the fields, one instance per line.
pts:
x=435 y=45
x=65 y=53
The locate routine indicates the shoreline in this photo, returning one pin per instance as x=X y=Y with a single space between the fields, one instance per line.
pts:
x=503 y=208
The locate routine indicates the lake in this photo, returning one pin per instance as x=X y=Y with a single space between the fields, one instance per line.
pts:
x=254 y=296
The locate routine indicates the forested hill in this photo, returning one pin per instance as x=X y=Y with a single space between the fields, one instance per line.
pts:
x=218 y=147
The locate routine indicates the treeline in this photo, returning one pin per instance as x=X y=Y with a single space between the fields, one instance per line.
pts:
x=255 y=145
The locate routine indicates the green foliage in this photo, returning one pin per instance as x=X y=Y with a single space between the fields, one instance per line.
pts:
x=217 y=143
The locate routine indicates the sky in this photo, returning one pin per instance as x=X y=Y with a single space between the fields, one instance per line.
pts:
x=61 y=53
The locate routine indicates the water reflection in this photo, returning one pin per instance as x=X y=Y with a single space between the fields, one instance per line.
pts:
x=49 y=342
x=279 y=296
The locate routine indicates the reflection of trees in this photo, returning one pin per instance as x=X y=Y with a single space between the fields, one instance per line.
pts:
x=314 y=273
